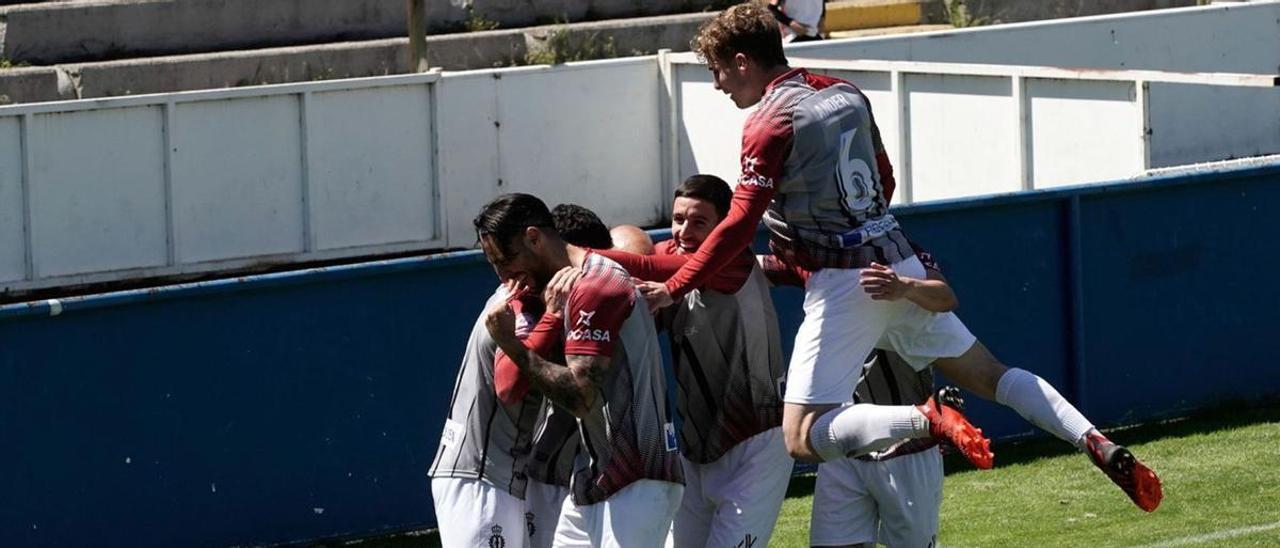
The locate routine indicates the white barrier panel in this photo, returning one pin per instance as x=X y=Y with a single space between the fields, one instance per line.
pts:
x=196 y=182
x=709 y=125
x=956 y=129
x=965 y=135
x=585 y=133
x=1189 y=124
x=13 y=259
x=185 y=183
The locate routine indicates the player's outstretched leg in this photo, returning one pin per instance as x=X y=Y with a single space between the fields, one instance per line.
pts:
x=1118 y=463
x=947 y=423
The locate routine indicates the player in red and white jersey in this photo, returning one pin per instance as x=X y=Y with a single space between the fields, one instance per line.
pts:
x=728 y=364
x=478 y=481
x=549 y=463
x=938 y=339
x=628 y=480
x=814 y=169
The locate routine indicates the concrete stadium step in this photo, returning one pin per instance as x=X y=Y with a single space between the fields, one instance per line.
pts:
x=93 y=30
x=618 y=37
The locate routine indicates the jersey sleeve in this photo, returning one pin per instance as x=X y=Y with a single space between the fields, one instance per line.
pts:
x=660 y=268
x=766 y=142
x=598 y=305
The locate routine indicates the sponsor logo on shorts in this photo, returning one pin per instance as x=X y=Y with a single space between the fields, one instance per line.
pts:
x=496 y=540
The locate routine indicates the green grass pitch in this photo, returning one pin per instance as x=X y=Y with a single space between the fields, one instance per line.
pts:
x=1221 y=475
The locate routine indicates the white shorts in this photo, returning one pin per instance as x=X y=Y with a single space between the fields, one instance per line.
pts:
x=542 y=504
x=638 y=516
x=842 y=324
x=474 y=513
x=735 y=500
x=894 y=502
x=921 y=337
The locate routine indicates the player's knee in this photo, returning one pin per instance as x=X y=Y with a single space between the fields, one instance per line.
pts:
x=797 y=420
x=797 y=442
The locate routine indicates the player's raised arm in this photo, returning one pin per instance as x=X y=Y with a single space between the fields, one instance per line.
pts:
x=763 y=152
x=541 y=336
x=660 y=268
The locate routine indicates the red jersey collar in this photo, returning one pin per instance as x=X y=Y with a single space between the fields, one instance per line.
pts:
x=785 y=76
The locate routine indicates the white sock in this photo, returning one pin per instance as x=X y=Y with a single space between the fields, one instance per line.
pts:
x=863 y=428
x=1042 y=405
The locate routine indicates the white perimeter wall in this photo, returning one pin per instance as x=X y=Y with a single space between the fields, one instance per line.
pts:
x=1189 y=123
x=192 y=182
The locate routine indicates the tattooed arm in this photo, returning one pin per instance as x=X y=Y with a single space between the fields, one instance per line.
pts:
x=574 y=387
x=594 y=313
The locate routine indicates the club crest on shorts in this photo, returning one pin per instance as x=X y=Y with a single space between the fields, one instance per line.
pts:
x=670 y=431
x=496 y=539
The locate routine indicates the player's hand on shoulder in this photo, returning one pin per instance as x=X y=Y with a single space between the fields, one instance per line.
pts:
x=655 y=294
x=557 y=292
x=882 y=283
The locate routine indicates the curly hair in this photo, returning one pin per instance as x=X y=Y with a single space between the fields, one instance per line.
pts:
x=746 y=28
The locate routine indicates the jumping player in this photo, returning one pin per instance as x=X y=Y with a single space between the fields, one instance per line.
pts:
x=807 y=157
x=955 y=352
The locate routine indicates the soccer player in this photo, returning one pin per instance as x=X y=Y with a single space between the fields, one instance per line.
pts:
x=807 y=157
x=580 y=226
x=550 y=467
x=891 y=497
x=628 y=482
x=632 y=239
x=955 y=352
x=728 y=363
x=477 y=481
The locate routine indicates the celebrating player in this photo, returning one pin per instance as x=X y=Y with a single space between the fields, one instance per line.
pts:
x=477 y=481
x=728 y=363
x=961 y=357
x=628 y=481
x=807 y=157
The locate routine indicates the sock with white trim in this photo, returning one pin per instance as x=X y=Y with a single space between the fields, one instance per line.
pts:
x=864 y=428
x=1042 y=405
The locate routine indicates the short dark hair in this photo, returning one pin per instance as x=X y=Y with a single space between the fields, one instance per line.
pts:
x=581 y=227
x=509 y=215
x=707 y=187
x=746 y=28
